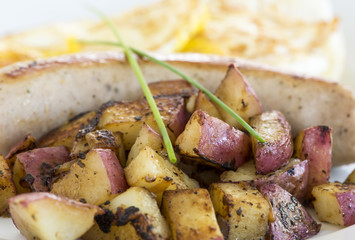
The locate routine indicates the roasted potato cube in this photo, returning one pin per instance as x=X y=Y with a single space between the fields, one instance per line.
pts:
x=278 y=148
x=293 y=177
x=235 y=91
x=151 y=171
x=80 y=148
x=242 y=211
x=245 y=172
x=22 y=181
x=33 y=170
x=64 y=135
x=80 y=145
x=211 y=141
x=62 y=169
x=203 y=103
x=315 y=145
x=128 y=117
x=47 y=216
x=93 y=179
x=120 y=150
x=133 y=214
x=7 y=186
x=90 y=139
x=190 y=103
x=190 y=214
x=108 y=140
x=335 y=203
x=351 y=177
x=290 y=219
x=179 y=88
x=147 y=137
x=27 y=143
x=101 y=139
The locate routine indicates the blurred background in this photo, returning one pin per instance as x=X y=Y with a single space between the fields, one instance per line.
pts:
x=18 y=15
x=343 y=9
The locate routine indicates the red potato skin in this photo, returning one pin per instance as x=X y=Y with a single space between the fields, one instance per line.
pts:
x=178 y=122
x=317 y=149
x=28 y=142
x=291 y=220
x=27 y=198
x=227 y=146
x=40 y=162
x=347 y=205
x=114 y=170
x=266 y=161
x=293 y=180
x=270 y=156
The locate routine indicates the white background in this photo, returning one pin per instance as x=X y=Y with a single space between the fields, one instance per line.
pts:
x=22 y=14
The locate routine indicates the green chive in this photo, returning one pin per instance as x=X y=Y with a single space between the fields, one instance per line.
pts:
x=192 y=82
x=134 y=65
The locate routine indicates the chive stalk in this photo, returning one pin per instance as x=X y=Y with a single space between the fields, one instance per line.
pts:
x=191 y=81
x=138 y=72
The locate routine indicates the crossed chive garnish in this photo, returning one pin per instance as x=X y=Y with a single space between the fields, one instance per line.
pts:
x=129 y=52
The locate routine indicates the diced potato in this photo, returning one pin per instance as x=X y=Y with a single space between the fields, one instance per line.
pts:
x=7 y=186
x=80 y=145
x=33 y=170
x=128 y=117
x=245 y=172
x=203 y=103
x=46 y=216
x=22 y=181
x=335 y=203
x=351 y=177
x=92 y=179
x=133 y=214
x=242 y=211
x=107 y=140
x=208 y=140
x=80 y=148
x=147 y=137
x=101 y=139
x=190 y=103
x=190 y=214
x=235 y=91
x=293 y=177
x=278 y=148
x=64 y=135
x=151 y=171
x=290 y=219
x=91 y=139
x=315 y=145
x=27 y=143
x=62 y=169
x=172 y=88
x=120 y=150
